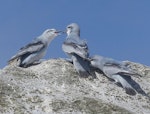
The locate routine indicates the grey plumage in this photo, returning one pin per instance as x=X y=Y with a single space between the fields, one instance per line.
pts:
x=115 y=70
x=35 y=50
x=77 y=49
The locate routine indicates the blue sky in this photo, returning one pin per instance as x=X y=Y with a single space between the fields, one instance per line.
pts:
x=119 y=29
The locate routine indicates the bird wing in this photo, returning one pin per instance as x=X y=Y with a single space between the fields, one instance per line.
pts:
x=112 y=62
x=80 y=48
x=116 y=67
x=33 y=47
x=82 y=66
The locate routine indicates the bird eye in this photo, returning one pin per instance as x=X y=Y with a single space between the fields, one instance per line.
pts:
x=51 y=30
x=93 y=59
x=69 y=27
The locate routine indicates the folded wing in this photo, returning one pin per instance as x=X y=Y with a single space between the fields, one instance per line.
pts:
x=33 y=47
x=81 y=49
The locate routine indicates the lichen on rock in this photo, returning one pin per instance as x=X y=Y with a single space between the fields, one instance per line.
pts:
x=55 y=87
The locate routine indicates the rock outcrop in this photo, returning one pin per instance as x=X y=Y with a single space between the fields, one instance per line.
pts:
x=54 y=87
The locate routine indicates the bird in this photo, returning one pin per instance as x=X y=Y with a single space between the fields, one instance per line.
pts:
x=115 y=70
x=77 y=50
x=34 y=51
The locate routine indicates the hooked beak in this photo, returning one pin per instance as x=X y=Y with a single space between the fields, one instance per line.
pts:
x=88 y=59
x=60 y=32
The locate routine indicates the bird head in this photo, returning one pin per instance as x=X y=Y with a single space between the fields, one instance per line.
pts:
x=73 y=28
x=51 y=33
x=96 y=60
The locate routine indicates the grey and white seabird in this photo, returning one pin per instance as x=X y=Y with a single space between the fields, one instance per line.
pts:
x=77 y=49
x=35 y=50
x=115 y=70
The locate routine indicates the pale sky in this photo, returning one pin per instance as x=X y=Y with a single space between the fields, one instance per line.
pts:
x=119 y=29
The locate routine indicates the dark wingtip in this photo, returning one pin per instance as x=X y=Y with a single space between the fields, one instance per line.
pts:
x=11 y=60
x=130 y=91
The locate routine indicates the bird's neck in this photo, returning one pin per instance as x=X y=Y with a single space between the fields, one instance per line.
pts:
x=46 y=40
x=73 y=36
x=50 y=39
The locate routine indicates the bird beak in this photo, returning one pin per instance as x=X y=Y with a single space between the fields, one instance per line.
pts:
x=60 y=32
x=90 y=59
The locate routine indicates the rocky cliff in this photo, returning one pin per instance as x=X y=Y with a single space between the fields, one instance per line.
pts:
x=54 y=87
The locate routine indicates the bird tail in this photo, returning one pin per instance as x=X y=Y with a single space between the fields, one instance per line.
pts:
x=81 y=65
x=12 y=61
x=125 y=84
